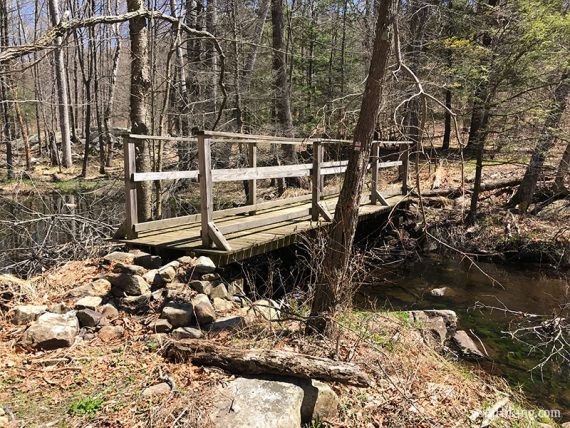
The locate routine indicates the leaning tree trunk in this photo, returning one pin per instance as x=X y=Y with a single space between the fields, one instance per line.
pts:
x=523 y=197
x=8 y=131
x=61 y=82
x=332 y=281
x=140 y=85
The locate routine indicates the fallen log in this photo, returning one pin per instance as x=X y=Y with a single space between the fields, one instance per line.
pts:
x=265 y=361
x=456 y=192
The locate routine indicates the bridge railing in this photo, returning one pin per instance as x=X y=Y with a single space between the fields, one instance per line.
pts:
x=211 y=234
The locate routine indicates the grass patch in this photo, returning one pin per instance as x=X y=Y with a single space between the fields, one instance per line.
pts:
x=87 y=406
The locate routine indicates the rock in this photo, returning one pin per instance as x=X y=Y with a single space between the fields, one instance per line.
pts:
x=439 y=292
x=203 y=309
x=132 y=285
x=466 y=345
x=162 y=388
x=236 y=288
x=167 y=273
x=212 y=277
x=204 y=265
x=135 y=304
x=431 y=322
x=100 y=287
x=178 y=314
x=111 y=332
x=59 y=308
x=319 y=402
x=178 y=292
x=88 y=302
x=247 y=403
x=52 y=331
x=148 y=261
x=186 y=260
x=119 y=256
x=161 y=325
x=449 y=317
x=27 y=313
x=263 y=309
x=227 y=323
x=130 y=269
x=219 y=291
x=186 y=333
x=88 y=318
x=202 y=287
x=557 y=210
x=222 y=305
x=109 y=311
x=153 y=278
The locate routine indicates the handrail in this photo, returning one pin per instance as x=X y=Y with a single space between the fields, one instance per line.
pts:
x=211 y=235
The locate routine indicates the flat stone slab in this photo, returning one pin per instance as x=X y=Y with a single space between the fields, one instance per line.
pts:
x=27 y=313
x=258 y=403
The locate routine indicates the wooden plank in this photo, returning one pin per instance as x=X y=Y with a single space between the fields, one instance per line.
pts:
x=375 y=153
x=164 y=175
x=155 y=225
x=260 y=173
x=258 y=222
x=270 y=138
x=131 y=213
x=252 y=184
x=218 y=237
x=206 y=198
x=316 y=179
x=163 y=138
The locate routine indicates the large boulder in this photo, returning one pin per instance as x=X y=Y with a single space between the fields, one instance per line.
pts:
x=203 y=309
x=219 y=291
x=25 y=314
x=257 y=403
x=131 y=285
x=178 y=314
x=433 y=324
x=89 y=318
x=202 y=287
x=126 y=268
x=222 y=305
x=52 y=331
x=148 y=261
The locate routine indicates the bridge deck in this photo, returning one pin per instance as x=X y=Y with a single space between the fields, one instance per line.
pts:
x=253 y=240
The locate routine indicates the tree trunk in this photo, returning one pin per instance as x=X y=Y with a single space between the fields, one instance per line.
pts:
x=61 y=81
x=8 y=131
x=523 y=197
x=140 y=85
x=110 y=102
x=267 y=361
x=332 y=283
x=212 y=59
x=562 y=173
x=258 y=34
x=282 y=91
x=447 y=121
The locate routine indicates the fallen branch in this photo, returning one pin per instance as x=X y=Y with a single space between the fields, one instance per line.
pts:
x=456 y=191
x=264 y=361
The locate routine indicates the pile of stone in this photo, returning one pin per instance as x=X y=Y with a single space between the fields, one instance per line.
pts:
x=187 y=295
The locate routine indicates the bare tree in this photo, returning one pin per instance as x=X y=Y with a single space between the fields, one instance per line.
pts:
x=333 y=274
x=61 y=79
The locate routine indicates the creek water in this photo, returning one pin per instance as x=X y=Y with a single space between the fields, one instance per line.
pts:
x=520 y=288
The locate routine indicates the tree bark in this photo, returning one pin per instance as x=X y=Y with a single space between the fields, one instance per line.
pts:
x=562 y=173
x=258 y=34
x=332 y=283
x=266 y=361
x=523 y=197
x=140 y=86
x=61 y=81
x=8 y=131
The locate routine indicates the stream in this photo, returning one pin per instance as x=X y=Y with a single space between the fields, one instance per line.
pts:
x=521 y=288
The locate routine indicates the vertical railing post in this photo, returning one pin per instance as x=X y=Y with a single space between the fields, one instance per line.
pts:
x=405 y=165
x=375 y=154
x=206 y=198
x=316 y=179
x=252 y=184
x=130 y=186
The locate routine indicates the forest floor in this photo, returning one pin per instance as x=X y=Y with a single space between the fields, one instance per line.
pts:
x=97 y=383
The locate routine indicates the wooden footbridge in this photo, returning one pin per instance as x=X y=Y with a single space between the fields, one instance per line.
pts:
x=257 y=227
